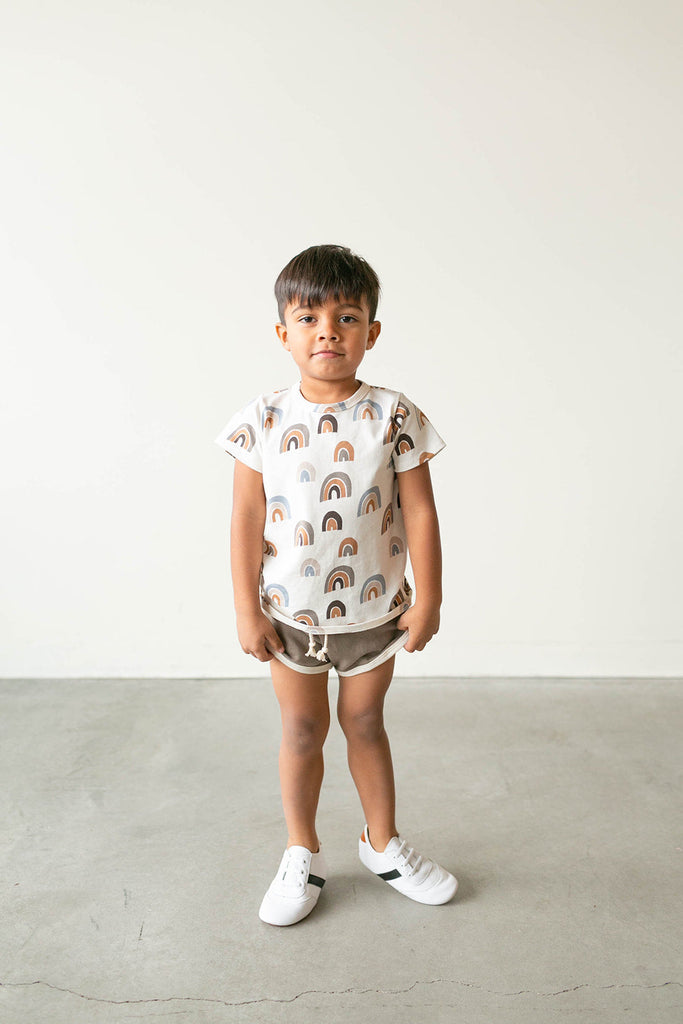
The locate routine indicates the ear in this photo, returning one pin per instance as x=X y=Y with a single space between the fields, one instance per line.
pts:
x=282 y=335
x=373 y=334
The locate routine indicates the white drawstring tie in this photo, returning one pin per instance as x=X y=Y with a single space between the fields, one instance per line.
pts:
x=321 y=655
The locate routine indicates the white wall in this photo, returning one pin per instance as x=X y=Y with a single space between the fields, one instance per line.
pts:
x=512 y=171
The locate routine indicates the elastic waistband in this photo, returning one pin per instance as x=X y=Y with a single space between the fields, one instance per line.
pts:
x=328 y=628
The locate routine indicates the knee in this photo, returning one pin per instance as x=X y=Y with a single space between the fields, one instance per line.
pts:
x=303 y=734
x=362 y=726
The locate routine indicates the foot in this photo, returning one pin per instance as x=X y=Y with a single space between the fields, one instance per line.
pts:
x=294 y=891
x=407 y=871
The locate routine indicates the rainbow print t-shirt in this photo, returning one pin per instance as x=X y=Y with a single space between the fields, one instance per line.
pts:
x=334 y=543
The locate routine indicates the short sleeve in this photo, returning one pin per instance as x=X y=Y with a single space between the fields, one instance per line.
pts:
x=415 y=439
x=241 y=436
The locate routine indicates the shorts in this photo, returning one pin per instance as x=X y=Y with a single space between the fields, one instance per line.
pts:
x=348 y=653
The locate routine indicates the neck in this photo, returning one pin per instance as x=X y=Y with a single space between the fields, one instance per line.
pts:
x=324 y=393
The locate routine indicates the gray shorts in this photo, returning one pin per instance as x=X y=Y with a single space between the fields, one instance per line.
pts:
x=348 y=653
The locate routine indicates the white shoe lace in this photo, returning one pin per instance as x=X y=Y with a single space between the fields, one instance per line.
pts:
x=406 y=859
x=295 y=872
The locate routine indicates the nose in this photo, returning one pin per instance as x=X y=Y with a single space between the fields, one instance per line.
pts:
x=327 y=329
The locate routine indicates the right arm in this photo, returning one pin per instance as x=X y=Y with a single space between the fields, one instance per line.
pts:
x=256 y=633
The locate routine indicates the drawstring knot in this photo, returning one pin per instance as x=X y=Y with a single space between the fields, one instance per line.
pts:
x=321 y=655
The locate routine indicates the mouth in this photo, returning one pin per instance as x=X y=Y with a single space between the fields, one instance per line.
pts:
x=328 y=354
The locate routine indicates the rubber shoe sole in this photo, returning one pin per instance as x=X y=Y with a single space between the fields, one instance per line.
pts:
x=296 y=888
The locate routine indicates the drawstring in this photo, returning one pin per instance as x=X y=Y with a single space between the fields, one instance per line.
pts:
x=321 y=655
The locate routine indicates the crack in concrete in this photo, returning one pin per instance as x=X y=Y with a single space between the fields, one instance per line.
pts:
x=336 y=992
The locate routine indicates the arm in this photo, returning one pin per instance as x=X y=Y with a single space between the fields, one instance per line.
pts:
x=424 y=547
x=256 y=633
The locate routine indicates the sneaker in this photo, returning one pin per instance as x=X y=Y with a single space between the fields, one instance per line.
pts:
x=406 y=870
x=296 y=887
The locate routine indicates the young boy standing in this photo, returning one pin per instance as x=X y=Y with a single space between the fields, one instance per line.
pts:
x=331 y=490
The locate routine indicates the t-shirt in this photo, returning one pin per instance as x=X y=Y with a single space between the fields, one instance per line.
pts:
x=334 y=551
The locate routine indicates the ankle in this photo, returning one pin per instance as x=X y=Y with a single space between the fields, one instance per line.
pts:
x=380 y=838
x=312 y=844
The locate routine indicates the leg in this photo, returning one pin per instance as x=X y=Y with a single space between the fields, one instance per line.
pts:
x=305 y=711
x=360 y=711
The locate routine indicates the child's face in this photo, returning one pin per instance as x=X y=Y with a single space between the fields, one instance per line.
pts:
x=328 y=343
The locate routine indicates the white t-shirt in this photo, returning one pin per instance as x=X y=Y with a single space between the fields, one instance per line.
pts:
x=334 y=552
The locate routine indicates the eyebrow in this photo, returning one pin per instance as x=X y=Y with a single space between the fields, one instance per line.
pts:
x=344 y=305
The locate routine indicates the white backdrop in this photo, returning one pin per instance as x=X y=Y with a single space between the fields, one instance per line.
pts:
x=511 y=170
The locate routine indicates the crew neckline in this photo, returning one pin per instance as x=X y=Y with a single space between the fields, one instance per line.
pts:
x=352 y=400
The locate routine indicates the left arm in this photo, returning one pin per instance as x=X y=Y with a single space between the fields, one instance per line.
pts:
x=424 y=546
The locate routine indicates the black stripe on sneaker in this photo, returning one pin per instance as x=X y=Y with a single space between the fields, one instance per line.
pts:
x=388 y=876
x=315 y=880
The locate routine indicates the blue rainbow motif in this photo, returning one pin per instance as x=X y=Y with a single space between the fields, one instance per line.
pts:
x=370 y=502
x=332 y=521
x=244 y=436
x=327 y=424
x=295 y=437
x=270 y=417
x=305 y=473
x=307 y=616
x=278 y=509
x=374 y=587
x=344 y=452
x=348 y=547
x=396 y=546
x=310 y=567
x=339 y=578
x=303 y=534
x=276 y=593
x=336 y=485
x=367 y=410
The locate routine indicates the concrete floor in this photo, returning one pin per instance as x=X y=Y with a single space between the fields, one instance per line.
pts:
x=141 y=824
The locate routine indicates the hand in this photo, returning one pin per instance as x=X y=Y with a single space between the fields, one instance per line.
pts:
x=257 y=636
x=422 y=622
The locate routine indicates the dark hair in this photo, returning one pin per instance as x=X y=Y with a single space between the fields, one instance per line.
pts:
x=324 y=270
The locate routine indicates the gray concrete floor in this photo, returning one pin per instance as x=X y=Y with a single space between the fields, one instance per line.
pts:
x=141 y=824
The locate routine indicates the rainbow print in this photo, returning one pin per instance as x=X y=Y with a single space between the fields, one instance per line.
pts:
x=303 y=534
x=340 y=577
x=278 y=509
x=336 y=485
x=391 y=431
x=305 y=473
x=270 y=417
x=276 y=593
x=426 y=456
x=327 y=424
x=336 y=610
x=343 y=452
x=373 y=588
x=310 y=567
x=404 y=444
x=400 y=414
x=269 y=549
x=367 y=410
x=370 y=502
x=348 y=547
x=244 y=436
x=332 y=521
x=396 y=546
x=388 y=518
x=307 y=616
x=294 y=438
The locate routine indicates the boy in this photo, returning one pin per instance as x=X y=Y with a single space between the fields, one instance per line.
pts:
x=331 y=488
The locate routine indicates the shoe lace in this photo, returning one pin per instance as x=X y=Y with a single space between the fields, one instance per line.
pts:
x=295 y=872
x=412 y=859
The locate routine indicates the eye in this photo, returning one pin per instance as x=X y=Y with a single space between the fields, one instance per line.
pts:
x=347 y=317
x=305 y=319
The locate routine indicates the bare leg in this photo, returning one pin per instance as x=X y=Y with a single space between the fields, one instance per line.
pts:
x=305 y=712
x=360 y=710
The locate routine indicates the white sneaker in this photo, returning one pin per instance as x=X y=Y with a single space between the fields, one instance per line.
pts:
x=406 y=870
x=296 y=887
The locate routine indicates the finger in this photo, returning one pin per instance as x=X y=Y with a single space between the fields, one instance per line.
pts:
x=274 y=643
